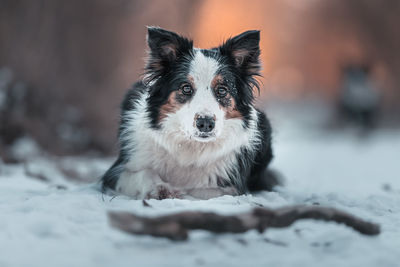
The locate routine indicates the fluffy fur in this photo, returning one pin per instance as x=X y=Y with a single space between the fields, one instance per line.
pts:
x=189 y=128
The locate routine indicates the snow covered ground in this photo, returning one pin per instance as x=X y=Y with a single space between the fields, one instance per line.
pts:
x=63 y=223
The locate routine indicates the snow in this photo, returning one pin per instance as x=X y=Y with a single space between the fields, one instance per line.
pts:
x=60 y=222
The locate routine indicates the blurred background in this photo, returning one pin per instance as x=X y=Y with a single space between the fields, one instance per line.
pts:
x=65 y=65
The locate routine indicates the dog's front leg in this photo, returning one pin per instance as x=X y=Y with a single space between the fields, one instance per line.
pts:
x=145 y=184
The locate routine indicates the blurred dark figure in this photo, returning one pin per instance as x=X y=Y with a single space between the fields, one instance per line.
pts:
x=359 y=98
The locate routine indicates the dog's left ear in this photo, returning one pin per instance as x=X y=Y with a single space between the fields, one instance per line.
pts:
x=165 y=48
x=244 y=49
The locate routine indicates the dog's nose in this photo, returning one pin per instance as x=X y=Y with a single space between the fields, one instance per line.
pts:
x=205 y=124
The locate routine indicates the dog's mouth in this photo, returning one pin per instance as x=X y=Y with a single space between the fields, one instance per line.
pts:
x=205 y=137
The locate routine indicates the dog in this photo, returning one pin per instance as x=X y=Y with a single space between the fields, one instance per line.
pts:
x=189 y=128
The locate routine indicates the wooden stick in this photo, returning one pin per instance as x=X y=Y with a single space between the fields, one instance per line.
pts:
x=176 y=226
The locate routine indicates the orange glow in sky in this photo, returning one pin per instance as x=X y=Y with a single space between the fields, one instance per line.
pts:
x=219 y=20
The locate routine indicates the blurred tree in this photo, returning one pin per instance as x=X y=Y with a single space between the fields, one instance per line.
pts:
x=75 y=59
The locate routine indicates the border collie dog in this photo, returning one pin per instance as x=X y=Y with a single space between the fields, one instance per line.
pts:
x=189 y=128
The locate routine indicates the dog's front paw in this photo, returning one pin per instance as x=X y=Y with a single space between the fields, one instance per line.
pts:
x=163 y=191
x=207 y=193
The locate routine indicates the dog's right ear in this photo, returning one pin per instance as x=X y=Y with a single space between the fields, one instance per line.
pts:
x=245 y=51
x=165 y=48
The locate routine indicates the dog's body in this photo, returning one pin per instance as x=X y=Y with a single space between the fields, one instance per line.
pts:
x=190 y=128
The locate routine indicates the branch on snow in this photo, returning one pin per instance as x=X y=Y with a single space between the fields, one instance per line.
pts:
x=176 y=226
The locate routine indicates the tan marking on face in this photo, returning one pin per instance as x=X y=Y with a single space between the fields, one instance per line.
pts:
x=171 y=106
x=191 y=81
x=218 y=79
x=231 y=111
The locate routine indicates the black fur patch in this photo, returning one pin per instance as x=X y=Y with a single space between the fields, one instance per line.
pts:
x=253 y=164
x=129 y=103
x=259 y=179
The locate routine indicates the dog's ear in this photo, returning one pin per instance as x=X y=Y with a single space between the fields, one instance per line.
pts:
x=165 y=48
x=244 y=49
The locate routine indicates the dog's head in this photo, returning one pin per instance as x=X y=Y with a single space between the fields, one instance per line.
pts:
x=199 y=92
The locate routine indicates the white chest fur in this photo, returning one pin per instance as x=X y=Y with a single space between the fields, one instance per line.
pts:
x=178 y=160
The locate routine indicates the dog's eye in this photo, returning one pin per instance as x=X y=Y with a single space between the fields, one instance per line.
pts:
x=187 y=89
x=222 y=91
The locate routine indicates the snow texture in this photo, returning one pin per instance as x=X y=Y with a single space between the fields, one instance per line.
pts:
x=52 y=221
